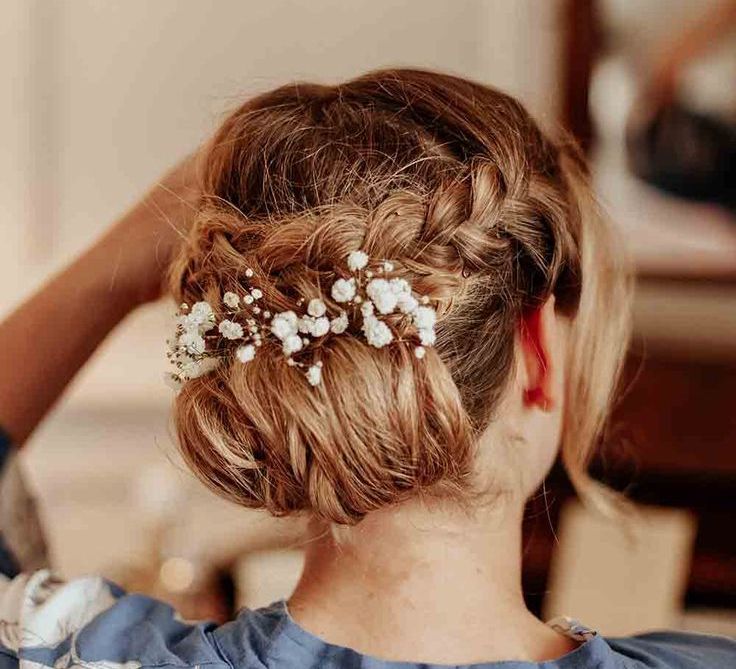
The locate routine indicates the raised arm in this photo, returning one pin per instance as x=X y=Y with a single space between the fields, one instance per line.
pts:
x=49 y=337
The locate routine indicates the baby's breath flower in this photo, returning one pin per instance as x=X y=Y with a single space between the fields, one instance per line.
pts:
x=245 y=353
x=377 y=332
x=316 y=307
x=317 y=327
x=189 y=369
x=424 y=317
x=196 y=368
x=230 y=329
x=192 y=342
x=202 y=311
x=256 y=293
x=339 y=324
x=427 y=336
x=284 y=324
x=231 y=299
x=420 y=352
x=187 y=323
x=292 y=344
x=400 y=286
x=407 y=303
x=201 y=318
x=381 y=294
x=248 y=299
x=357 y=260
x=320 y=326
x=314 y=375
x=343 y=290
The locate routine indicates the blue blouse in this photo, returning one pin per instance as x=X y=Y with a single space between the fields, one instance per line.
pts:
x=91 y=623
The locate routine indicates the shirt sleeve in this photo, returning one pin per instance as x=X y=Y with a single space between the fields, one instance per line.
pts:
x=677 y=650
x=92 y=623
x=22 y=541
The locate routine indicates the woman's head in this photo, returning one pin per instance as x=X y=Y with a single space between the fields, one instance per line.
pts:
x=480 y=211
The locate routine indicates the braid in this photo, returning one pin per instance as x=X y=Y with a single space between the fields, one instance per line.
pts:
x=455 y=184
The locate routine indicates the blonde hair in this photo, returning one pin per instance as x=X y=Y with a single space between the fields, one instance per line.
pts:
x=480 y=210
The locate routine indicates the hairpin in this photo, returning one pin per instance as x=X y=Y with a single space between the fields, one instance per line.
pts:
x=200 y=342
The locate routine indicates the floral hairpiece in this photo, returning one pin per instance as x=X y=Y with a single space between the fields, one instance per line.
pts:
x=200 y=342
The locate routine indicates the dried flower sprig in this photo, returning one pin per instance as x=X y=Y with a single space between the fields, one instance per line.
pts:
x=200 y=342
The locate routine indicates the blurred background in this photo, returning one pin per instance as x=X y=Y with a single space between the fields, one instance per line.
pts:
x=102 y=96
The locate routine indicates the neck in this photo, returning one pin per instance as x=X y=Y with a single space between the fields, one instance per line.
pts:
x=425 y=585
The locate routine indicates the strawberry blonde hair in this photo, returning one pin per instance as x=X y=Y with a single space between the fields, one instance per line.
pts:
x=478 y=208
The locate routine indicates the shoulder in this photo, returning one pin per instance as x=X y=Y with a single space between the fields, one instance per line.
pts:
x=90 y=622
x=676 y=650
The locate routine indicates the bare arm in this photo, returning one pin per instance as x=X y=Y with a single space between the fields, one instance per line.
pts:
x=49 y=337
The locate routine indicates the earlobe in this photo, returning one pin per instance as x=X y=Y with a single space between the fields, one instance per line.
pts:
x=537 y=345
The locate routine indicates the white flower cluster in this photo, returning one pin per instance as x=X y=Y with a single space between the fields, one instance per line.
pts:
x=189 y=352
x=200 y=342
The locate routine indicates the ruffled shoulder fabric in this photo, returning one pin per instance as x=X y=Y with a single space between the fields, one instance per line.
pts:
x=91 y=623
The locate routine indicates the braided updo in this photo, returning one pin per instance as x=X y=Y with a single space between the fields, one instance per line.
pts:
x=482 y=212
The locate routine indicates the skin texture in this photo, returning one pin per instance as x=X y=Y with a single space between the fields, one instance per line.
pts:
x=422 y=582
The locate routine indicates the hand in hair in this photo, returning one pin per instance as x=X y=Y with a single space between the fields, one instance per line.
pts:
x=55 y=331
x=143 y=242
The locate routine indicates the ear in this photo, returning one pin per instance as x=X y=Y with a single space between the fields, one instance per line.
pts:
x=538 y=334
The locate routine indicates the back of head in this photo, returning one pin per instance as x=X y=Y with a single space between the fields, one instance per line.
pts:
x=456 y=185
